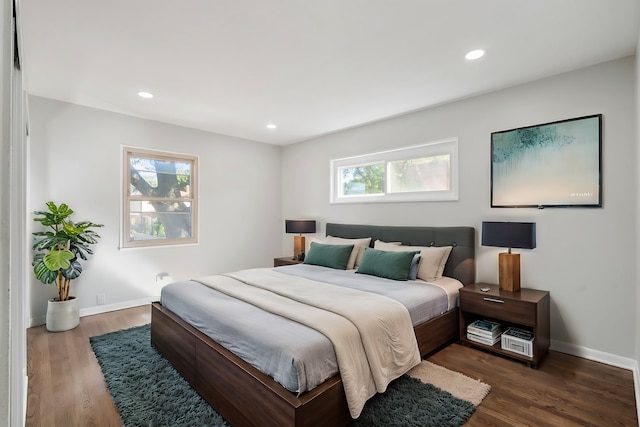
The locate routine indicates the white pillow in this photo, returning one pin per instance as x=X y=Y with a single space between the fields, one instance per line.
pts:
x=432 y=262
x=388 y=243
x=359 y=246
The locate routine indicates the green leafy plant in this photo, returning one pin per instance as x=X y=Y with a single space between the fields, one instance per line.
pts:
x=58 y=251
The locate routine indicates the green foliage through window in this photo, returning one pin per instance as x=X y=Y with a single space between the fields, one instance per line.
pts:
x=367 y=179
x=161 y=198
x=423 y=172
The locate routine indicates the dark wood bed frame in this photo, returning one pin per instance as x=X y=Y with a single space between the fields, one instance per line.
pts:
x=244 y=396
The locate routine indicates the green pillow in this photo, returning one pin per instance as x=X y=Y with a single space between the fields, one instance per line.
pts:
x=390 y=265
x=332 y=256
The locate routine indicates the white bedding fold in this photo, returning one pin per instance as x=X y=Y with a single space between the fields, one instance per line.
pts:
x=372 y=335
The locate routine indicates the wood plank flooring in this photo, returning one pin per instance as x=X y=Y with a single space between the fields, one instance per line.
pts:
x=564 y=391
x=66 y=387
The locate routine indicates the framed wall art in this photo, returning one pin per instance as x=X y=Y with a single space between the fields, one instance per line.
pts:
x=556 y=164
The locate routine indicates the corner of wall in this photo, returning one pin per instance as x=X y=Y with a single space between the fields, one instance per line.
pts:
x=636 y=376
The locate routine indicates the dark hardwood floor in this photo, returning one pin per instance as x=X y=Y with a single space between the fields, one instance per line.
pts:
x=66 y=387
x=564 y=391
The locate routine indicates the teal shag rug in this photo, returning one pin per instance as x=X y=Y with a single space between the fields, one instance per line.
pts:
x=149 y=392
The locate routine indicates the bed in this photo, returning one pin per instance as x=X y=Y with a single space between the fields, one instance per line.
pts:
x=244 y=395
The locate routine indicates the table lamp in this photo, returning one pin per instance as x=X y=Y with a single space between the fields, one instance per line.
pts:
x=299 y=226
x=509 y=235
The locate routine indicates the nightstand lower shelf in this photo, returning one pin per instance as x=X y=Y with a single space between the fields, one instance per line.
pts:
x=497 y=348
x=526 y=309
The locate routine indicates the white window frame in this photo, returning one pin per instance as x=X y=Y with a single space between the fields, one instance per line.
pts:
x=448 y=146
x=127 y=153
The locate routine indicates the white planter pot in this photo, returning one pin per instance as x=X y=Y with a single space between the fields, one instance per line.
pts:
x=62 y=315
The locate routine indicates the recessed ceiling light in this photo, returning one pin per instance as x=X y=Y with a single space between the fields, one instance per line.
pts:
x=475 y=54
x=145 y=95
x=271 y=126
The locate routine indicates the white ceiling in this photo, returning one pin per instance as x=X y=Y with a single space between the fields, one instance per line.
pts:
x=310 y=66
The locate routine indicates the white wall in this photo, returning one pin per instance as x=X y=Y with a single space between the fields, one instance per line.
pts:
x=13 y=267
x=6 y=11
x=76 y=158
x=637 y=322
x=585 y=257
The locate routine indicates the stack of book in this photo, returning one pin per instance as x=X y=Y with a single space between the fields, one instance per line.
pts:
x=518 y=341
x=484 y=331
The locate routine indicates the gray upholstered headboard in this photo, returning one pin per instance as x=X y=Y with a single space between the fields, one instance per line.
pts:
x=461 y=264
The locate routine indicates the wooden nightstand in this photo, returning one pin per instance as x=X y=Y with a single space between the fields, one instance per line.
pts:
x=277 y=262
x=526 y=309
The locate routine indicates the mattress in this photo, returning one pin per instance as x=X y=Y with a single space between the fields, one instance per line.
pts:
x=296 y=356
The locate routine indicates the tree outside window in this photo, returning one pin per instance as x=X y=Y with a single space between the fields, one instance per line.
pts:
x=426 y=172
x=161 y=198
x=361 y=180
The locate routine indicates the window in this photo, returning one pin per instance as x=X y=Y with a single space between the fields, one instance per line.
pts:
x=419 y=173
x=160 y=198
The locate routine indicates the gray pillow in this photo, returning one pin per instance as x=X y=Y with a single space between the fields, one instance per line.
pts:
x=413 y=270
x=390 y=265
x=332 y=256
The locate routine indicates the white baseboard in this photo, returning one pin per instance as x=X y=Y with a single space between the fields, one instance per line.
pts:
x=595 y=355
x=606 y=358
x=98 y=309
x=118 y=306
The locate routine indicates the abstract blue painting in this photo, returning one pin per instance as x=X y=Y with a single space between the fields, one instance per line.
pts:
x=554 y=164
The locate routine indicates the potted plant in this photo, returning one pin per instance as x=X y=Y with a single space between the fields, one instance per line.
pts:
x=56 y=259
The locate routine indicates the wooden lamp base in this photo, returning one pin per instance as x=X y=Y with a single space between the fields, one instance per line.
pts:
x=509 y=272
x=298 y=246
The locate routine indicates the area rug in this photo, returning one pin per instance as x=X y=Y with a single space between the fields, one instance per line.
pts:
x=149 y=392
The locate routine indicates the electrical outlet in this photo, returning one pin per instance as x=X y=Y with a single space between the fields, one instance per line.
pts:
x=100 y=298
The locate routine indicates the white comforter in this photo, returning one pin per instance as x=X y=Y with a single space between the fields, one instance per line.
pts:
x=372 y=335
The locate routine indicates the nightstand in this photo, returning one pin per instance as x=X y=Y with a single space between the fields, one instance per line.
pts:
x=278 y=262
x=527 y=309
